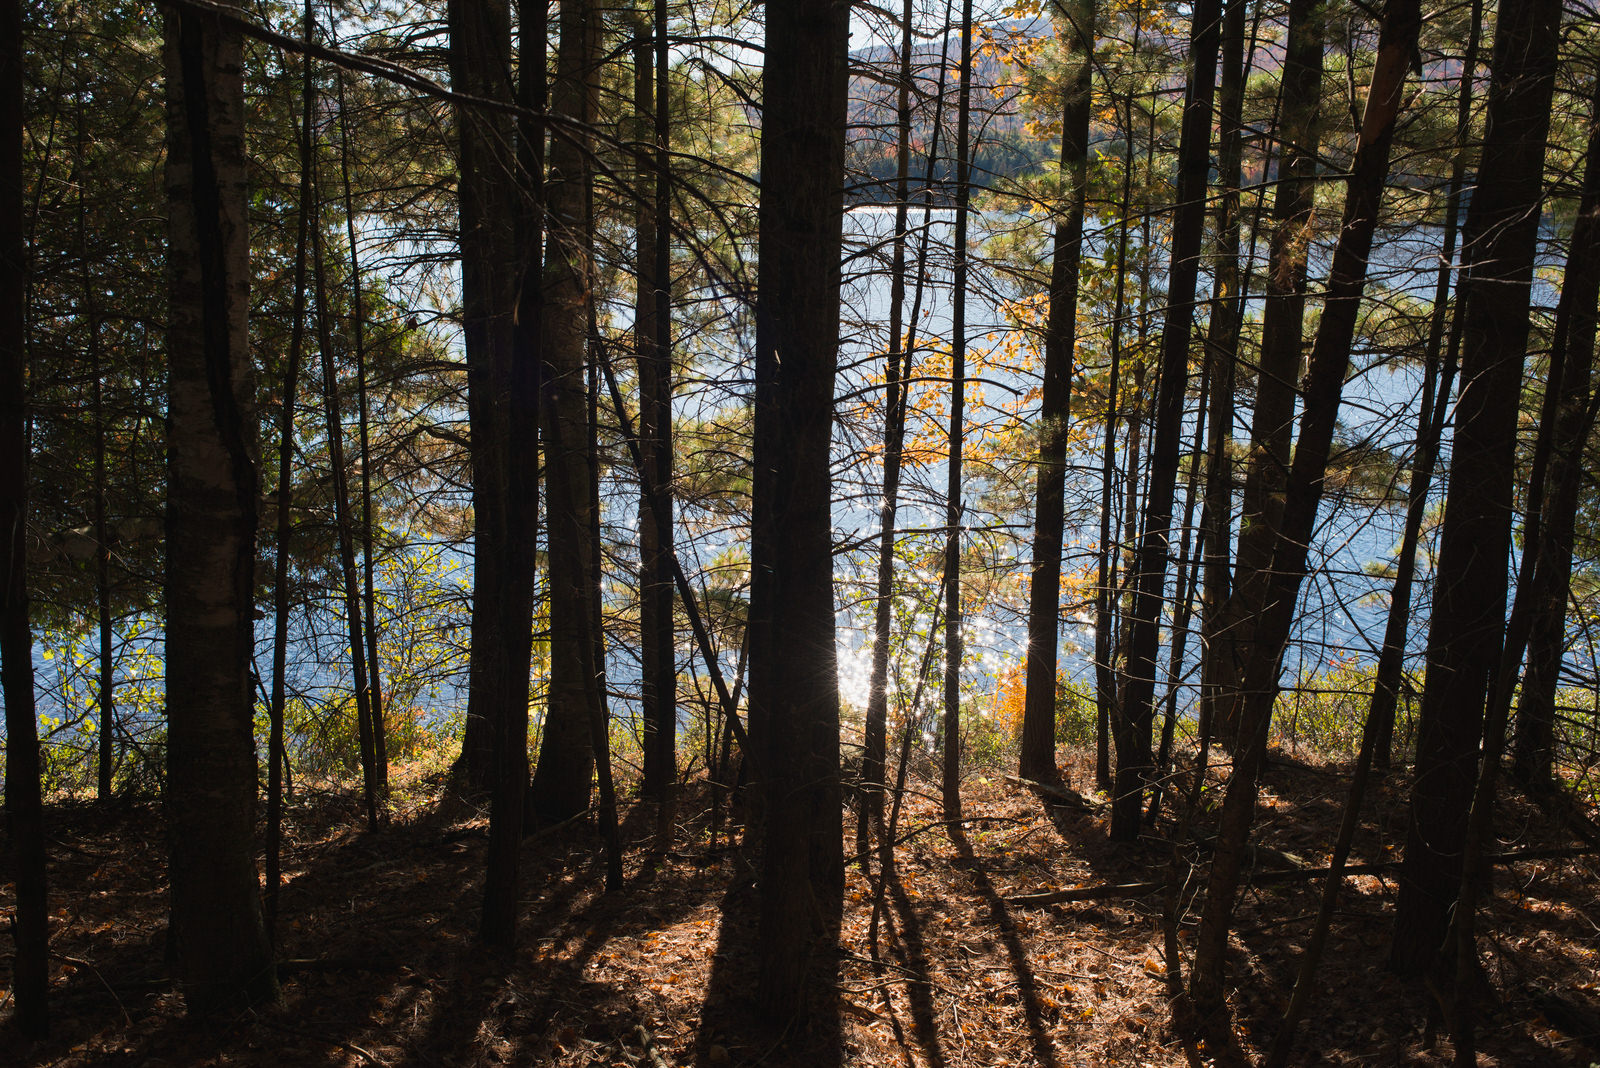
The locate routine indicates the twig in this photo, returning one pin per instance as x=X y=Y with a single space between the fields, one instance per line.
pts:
x=1085 y=893
x=82 y=852
x=915 y=977
x=647 y=1042
x=370 y=1057
x=338 y=964
x=81 y=963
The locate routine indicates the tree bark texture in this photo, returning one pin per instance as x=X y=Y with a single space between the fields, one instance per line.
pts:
x=653 y=334
x=223 y=958
x=1533 y=752
x=480 y=64
x=793 y=690
x=503 y=452
x=1222 y=346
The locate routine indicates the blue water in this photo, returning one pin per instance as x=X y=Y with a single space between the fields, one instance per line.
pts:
x=1343 y=604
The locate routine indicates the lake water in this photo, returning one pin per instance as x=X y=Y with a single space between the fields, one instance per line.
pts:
x=1343 y=604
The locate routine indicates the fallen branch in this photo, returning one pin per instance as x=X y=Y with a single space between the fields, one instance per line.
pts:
x=338 y=964
x=1282 y=875
x=348 y=1047
x=1086 y=893
x=647 y=1042
x=935 y=825
x=1064 y=796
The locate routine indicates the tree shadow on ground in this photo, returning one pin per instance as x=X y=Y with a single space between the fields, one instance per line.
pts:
x=734 y=1029
x=905 y=932
x=1044 y=1049
x=376 y=944
x=1364 y=1013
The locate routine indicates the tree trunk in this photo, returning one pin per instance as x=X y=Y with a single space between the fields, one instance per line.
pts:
x=1222 y=344
x=953 y=653
x=1436 y=381
x=1037 y=759
x=285 y=527
x=653 y=333
x=1270 y=594
x=224 y=961
x=1567 y=388
x=1277 y=378
x=24 y=811
x=480 y=48
x=1475 y=542
x=595 y=669
x=1188 y=574
x=106 y=699
x=898 y=364
x=565 y=773
x=1377 y=731
x=345 y=530
x=369 y=596
x=502 y=404
x=1150 y=569
x=1388 y=678
x=1534 y=748
x=1105 y=597
x=794 y=693
x=874 y=755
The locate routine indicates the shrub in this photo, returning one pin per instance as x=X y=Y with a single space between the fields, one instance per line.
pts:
x=1326 y=710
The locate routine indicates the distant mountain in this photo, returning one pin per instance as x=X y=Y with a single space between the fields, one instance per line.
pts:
x=1001 y=147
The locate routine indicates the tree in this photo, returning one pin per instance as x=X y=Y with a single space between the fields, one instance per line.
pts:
x=1270 y=594
x=653 y=330
x=480 y=46
x=1378 y=730
x=1222 y=340
x=1106 y=598
x=24 y=812
x=220 y=943
x=1038 y=756
x=276 y=755
x=1439 y=370
x=1469 y=603
x=502 y=414
x=564 y=775
x=874 y=755
x=1133 y=734
x=369 y=598
x=1231 y=635
x=1574 y=413
x=793 y=688
x=333 y=414
x=950 y=779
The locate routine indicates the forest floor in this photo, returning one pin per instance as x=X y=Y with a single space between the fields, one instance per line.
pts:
x=380 y=965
